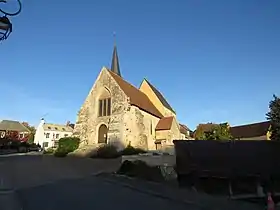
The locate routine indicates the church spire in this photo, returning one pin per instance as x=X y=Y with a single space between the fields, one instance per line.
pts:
x=115 y=67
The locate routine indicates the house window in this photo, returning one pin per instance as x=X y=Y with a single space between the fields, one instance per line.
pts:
x=63 y=129
x=104 y=107
x=57 y=136
x=45 y=144
x=65 y=135
x=21 y=135
x=47 y=135
x=151 y=128
x=56 y=144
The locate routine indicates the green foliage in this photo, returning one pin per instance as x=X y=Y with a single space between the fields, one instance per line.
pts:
x=221 y=132
x=274 y=117
x=141 y=170
x=32 y=132
x=216 y=132
x=68 y=144
x=49 y=151
x=110 y=151
x=199 y=134
x=60 y=153
x=129 y=150
x=107 y=151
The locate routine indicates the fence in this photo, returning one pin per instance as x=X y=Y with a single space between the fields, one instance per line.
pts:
x=231 y=160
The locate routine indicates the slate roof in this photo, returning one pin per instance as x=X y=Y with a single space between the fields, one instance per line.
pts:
x=160 y=97
x=250 y=130
x=11 y=125
x=115 y=67
x=57 y=127
x=164 y=123
x=137 y=98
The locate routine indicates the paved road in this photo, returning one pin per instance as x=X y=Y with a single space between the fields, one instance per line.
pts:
x=48 y=183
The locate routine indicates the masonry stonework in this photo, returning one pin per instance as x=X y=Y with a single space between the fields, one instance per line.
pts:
x=88 y=121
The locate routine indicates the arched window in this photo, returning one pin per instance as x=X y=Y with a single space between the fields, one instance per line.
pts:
x=104 y=103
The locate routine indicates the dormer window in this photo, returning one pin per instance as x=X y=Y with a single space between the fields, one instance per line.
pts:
x=55 y=128
x=49 y=128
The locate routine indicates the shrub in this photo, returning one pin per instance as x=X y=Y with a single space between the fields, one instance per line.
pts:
x=129 y=150
x=60 y=153
x=49 y=151
x=141 y=170
x=106 y=151
x=68 y=144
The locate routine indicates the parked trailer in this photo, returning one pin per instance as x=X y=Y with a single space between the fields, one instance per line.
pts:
x=238 y=168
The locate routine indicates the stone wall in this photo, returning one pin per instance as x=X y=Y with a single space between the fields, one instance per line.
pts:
x=88 y=122
x=139 y=128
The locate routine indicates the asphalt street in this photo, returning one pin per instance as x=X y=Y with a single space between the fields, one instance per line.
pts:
x=48 y=183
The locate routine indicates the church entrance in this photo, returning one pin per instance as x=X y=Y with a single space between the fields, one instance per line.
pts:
x=102 y=134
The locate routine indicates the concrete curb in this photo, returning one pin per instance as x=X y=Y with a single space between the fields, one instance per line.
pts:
x=198 y=200
x=147 y=191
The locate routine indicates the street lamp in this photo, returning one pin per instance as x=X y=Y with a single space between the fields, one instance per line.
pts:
x=6 y=26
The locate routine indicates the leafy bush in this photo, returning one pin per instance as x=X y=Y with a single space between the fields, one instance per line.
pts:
x=141 y=170
x=49 y=151
x=60 y=153
x=68 y=144
x=106 y=152
x=129 y=150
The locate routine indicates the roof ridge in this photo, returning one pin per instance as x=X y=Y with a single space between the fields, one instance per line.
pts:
x=161 y=97
x=158 y=114
x=250 y=124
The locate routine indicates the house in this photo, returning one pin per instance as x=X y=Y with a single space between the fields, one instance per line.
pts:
x=186 y=133
x=119 y=113
x=48 y=134
x=255 y=131
x=14 y=130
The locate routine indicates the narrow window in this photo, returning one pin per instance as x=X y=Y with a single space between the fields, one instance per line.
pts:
x=100 y=108
x=108 y=106
x=104 y=107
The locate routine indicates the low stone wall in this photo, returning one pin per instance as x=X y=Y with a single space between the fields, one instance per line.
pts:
x=152 y=160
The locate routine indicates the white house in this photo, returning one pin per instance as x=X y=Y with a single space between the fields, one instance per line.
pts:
x=48 y=134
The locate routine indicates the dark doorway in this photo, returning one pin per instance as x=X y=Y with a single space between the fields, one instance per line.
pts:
x=102 y=134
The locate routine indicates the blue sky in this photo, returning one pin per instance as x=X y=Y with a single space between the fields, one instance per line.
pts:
x=213 y=60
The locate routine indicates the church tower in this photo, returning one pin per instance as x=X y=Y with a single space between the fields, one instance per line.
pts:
x=115 y=66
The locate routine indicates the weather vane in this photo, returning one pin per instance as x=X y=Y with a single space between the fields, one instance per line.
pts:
x=6 y=26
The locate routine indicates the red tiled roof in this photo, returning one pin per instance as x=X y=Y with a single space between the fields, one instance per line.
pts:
x=165 y=123
x=250 y=130
x=137 y=98
x=184 y=129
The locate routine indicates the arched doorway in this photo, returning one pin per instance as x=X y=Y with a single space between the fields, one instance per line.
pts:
x=102 y=134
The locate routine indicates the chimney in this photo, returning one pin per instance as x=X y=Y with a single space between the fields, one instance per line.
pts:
x=68 y=123
x=42 y=121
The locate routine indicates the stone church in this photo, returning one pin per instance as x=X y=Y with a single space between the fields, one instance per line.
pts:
x=119 y=113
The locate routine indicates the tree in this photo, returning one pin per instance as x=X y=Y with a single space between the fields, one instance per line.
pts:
x=211 y=131
x=274 y=117
x=32 y=132
x=221 y=132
